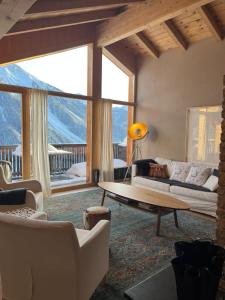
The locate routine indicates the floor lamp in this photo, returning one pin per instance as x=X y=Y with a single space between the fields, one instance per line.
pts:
x=137 y=133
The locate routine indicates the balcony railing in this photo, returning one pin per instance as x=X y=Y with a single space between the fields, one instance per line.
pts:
x=59 y=163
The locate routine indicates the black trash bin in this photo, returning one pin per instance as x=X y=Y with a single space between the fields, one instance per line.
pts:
x=198 y=268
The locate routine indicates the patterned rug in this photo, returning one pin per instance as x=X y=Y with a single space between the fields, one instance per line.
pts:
x=136 y=251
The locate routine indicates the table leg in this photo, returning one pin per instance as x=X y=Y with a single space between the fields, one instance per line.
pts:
x=175 y=218
x=158 y=222
x=103 y=198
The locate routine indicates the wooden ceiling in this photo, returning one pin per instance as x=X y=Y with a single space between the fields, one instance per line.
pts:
x=140 y=27
x=190 y=27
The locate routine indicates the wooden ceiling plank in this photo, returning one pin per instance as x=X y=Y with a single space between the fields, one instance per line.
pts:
x=148 y=45
x=11 y=11
x=175 y=34
x=60 y=21
x=211 y=22
x=137 y=18
x=46 y=6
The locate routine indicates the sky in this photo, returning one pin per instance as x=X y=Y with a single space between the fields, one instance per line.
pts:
x=68 y=71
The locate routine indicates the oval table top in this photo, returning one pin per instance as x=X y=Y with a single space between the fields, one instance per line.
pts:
x=143 y=195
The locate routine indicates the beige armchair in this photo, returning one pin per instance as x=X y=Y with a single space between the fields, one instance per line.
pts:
x=43 y=260
x=33 y=185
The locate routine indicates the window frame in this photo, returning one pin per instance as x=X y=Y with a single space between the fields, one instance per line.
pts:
x=187 y=132
x=25 y=126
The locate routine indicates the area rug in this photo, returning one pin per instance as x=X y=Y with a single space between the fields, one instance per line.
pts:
x=136 y=251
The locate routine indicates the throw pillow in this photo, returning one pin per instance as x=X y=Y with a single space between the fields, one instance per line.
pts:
x=159 y=171
x=198 y=175
x=212 y=183
x=165 y=161
x=13 y=197
x=143 y=166
x=180 y=171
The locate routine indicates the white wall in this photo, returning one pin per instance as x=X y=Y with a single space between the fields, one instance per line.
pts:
x=168 y=86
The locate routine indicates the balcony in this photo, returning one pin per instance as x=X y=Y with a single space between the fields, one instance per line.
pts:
x=59 y=162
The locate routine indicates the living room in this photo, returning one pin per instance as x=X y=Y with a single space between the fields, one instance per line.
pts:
x=165 y=131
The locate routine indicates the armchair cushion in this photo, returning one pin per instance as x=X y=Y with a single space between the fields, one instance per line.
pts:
x=13 y=197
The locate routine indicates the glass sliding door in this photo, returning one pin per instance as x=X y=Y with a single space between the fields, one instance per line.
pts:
x=67 y=137
x=11 y=132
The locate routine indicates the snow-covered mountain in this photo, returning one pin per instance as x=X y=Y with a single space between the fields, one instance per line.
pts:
x=67 y=118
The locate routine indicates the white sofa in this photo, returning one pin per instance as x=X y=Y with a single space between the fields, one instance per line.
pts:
x=200 y=200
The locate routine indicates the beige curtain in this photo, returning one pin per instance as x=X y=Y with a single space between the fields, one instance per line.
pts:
x=106 y=149
x=39 y=135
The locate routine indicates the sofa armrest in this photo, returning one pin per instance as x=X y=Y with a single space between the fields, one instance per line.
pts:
x=31 y=200
x=32 y=185
x=94 y=258
x=133 y=170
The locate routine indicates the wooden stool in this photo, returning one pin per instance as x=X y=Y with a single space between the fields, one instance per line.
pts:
x=94 y=214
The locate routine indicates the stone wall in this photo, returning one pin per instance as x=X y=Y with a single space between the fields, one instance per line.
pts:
x=220 y=232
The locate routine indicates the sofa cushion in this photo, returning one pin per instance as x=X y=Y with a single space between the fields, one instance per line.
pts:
x=198 y=175
x=180 y=171
x=181 y=184
x=161 y=184
x=202 y=195
x=165 y=161
x=143 y=166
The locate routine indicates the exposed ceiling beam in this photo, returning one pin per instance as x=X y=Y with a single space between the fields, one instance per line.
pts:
x=29 y=45
x=60 y=21
x=211 y=22
x=121 y=57
x=148 y=45
x=175 y=34
x=11 y=11
x=49 y=6
x=138 y=17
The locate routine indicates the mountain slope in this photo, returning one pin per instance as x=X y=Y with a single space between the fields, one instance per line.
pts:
x=66 y=117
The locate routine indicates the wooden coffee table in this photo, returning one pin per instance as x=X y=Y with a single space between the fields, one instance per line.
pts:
x=155 y=202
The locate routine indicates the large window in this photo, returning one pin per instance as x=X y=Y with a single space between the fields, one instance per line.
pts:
x=204 y=130
x=65 y=71
x=67 y=118
x=65 y=76
x=115 y=83
x=10 y=133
